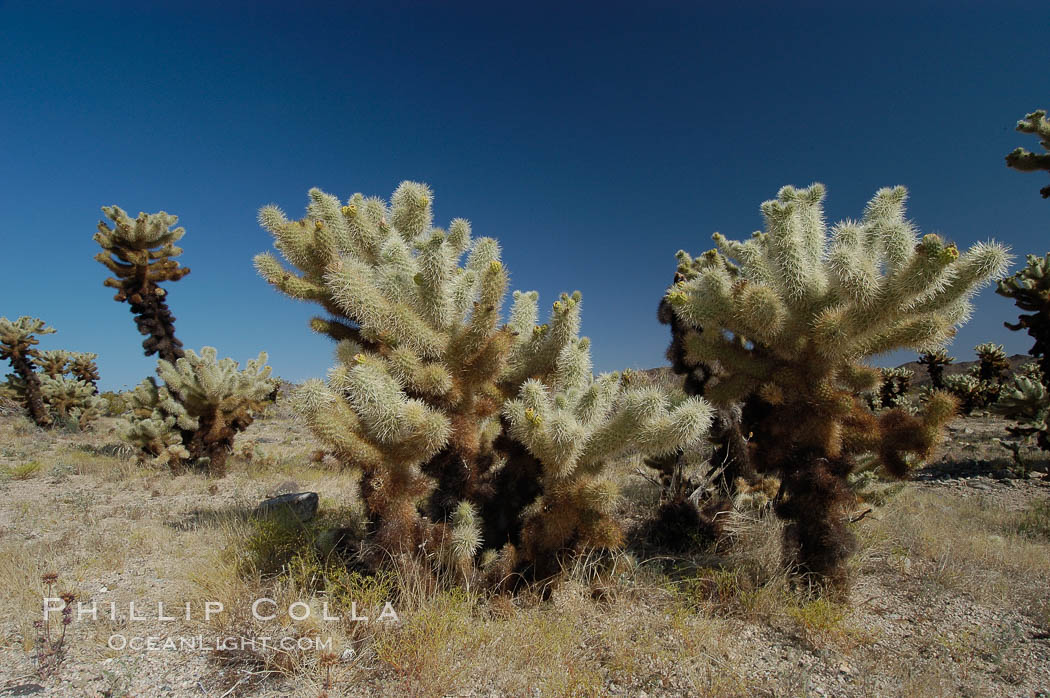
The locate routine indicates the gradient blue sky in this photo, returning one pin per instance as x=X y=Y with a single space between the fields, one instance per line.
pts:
x=592 y=140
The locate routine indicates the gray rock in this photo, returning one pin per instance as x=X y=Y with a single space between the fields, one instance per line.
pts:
x=301 y=505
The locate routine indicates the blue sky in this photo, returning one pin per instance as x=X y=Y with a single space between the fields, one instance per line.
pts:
x=593 y=141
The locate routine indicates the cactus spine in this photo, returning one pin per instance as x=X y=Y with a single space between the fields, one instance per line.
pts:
x=782 y=323
x=469 y=433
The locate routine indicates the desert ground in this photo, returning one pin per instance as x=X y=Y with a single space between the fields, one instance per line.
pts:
x=950 y=592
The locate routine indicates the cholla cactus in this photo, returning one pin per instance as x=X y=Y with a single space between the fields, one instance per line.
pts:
x=205 y=401
x=439 y=405
x=16 y=345
x=782 y=322
x=82 y=366
x=574 y=426
x=1020 y=159
x=221 y=400
x=115 y=403
x=14 y=389
x=969 y=391
x=992 y=363
x=52 y=362
x=893 y=392
x=73 y=401
x=980 y=387
x=935 y=361
x=1027 y=401
x=1030 y=290
x=140 y=254
x=155 y=423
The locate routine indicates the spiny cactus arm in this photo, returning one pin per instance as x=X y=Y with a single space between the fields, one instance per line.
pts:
x=340 y=330
x=550 y=426
x=534 y=353
x=643 y=420
x=83 y=367
x=417 y=377
x=52 y=362
x=903 y=436
x=62 y=393
x=334 y=422
x=465 y=537
x=472 y=339
x=141 y=248
x=17 y=338
x=391 y=418
x=1024 y=398
x=1020 y=159
x=154 y=422
x=199 y=381
x=356 y=293
x=1030 y=290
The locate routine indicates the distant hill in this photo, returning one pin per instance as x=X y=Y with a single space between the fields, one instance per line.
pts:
x=663 y=375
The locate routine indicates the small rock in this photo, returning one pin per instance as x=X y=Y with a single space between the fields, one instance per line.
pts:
x=302 y=505
x=25 y=689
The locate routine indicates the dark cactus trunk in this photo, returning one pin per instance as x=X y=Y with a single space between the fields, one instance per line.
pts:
x=936 y=372
x=34 y=399
x=153 y=319
x=814 y=499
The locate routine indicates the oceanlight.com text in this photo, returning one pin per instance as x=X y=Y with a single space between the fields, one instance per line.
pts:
x=201 y=643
